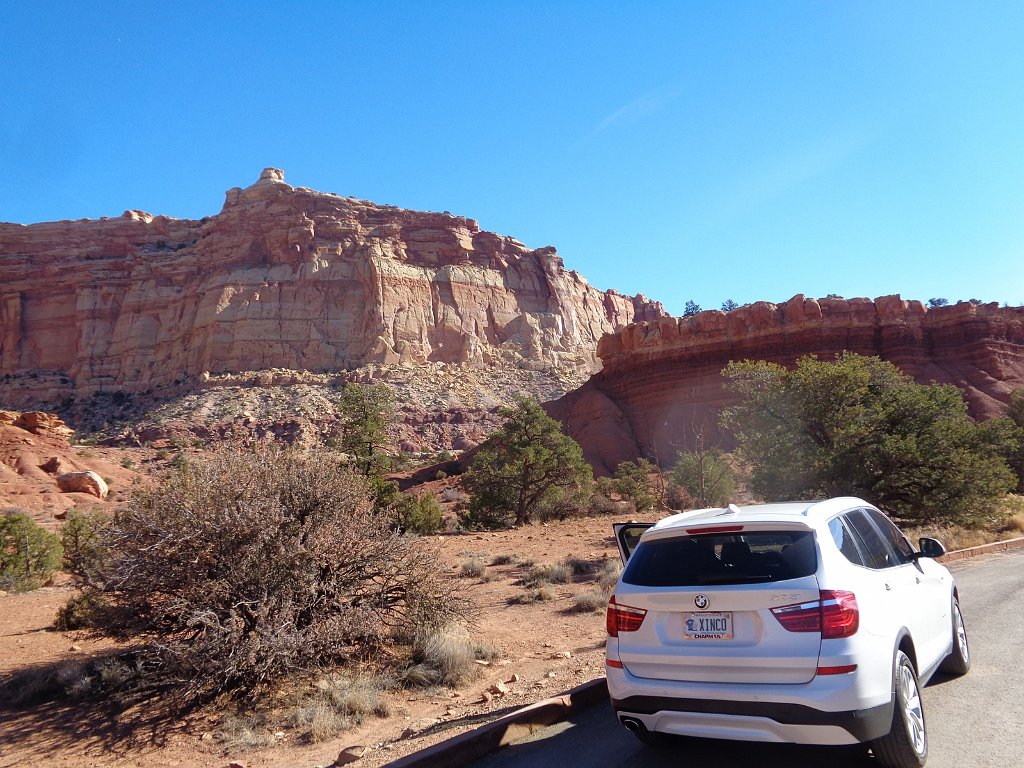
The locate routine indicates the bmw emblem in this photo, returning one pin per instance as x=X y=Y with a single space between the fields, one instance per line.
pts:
x=701 y=601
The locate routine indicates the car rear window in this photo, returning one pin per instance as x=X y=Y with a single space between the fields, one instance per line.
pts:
x=730 y=558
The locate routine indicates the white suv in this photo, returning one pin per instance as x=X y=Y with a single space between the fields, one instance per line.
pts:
x=808 y=622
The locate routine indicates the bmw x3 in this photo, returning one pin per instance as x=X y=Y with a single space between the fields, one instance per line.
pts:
x=808 y=622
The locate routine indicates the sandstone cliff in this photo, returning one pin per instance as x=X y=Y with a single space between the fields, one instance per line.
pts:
x=285 y=278
x=661 y=380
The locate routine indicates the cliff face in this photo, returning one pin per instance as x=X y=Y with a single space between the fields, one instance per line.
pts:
x=287 y=278
x=662 y=381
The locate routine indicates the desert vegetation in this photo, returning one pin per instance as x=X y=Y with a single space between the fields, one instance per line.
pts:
x=858 y=426
x=527 y=471
x=246 y=567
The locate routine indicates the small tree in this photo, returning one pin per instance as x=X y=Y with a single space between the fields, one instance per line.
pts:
x=691 y=308
x=933 y=303
x=29 y=554
x=705 y=475
x=632 y=481
x=418 y=513
x=366 y=412
x=84 y=551
x=729 y=305
x=527 y=469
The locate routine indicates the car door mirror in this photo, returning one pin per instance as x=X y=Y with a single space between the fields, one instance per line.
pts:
x=930 y=547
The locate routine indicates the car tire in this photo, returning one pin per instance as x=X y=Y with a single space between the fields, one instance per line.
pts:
x=959 y=660
x=906 y=743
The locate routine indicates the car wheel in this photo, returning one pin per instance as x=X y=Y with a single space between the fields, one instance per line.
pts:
x=959 y=660
x=906 y=744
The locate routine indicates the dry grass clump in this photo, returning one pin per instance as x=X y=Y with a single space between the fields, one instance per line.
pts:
x=503 y=559
x=444 y=656
x=472 y=567
x=238 y=733
x=341 y=702
x=588 y=601
x=542 y=595
x=547 y=573
x=608 y=575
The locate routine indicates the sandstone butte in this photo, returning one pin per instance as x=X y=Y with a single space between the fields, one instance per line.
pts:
x=661 y=380
x=286 y=278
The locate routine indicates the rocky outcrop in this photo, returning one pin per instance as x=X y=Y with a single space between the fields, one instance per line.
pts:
x=282 y=277
x=661 y=381
x=83 y=482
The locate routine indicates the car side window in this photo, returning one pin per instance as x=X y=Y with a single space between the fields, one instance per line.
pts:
x=877 y=553
x=845 y=541
x=903 y=548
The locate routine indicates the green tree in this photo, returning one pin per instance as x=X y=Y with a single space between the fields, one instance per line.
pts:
x=632 y=481
x=933 y=303
x=691 y=308
x=417 y=513
x=29 y=554
x=705 y=475
x=1015 y=414
x=527 y=470
x=366 y=413
x=729 y=305
x=857 y=425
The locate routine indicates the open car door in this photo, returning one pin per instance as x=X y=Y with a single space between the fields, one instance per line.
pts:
x=627 y=536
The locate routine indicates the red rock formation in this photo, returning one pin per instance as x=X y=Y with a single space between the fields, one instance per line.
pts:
x=282 y=278
x=661 y=380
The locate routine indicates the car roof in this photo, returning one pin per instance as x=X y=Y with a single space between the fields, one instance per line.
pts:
x=801 y=513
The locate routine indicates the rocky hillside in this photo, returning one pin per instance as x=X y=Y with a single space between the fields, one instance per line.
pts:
x=661 y=380
x=282 y=278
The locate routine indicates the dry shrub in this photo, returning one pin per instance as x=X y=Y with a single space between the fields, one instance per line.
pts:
x=341 y=702
x=589 y=601
x=238 y=733
x=472 y=566
x=547 y=573
x=542 y=595
x=608 y=575
x=246 y=566
x=504 y=559
x=444 y=656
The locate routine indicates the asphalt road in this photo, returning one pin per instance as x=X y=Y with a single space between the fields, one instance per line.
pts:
x=974 y=721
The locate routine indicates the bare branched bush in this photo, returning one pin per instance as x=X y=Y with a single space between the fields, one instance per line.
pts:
x=246 y=566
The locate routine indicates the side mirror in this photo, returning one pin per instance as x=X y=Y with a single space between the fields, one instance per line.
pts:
x=931 y=547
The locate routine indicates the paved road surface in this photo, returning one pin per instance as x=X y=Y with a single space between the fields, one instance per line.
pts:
x=973 y=722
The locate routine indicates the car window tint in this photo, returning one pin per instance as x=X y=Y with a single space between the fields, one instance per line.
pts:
x=877 y=554
x=903 y=548
x=845 y=541
x=747 y=558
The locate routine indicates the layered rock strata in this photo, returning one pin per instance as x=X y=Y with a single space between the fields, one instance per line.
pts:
x=661 y=382
x=282 y=277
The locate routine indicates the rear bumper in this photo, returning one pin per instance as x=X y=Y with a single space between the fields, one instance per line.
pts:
x=755 y=720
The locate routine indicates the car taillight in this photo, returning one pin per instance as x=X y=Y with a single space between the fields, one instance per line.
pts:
x=835 y=614
x=623 y=618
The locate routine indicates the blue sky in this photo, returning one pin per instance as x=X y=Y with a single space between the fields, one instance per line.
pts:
x=686 y=150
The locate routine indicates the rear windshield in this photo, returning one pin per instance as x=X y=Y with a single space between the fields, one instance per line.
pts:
x=730 y=558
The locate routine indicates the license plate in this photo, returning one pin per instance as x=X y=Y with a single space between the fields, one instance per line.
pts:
x=707 y=626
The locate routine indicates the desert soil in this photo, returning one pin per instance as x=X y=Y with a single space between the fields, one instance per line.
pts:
x=544 y=648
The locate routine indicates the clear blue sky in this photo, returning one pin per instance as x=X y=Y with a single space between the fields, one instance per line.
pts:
x=681 y=149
